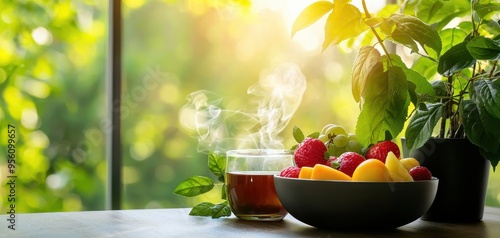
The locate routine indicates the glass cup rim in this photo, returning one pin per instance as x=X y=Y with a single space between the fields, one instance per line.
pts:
x=259 y=152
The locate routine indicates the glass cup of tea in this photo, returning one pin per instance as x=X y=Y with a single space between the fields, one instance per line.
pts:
x=250 y=183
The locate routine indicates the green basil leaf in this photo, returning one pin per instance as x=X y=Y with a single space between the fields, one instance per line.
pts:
x=202 y=209
x=483 y=48
x=311 y=14
x=217 y=164
x=455 y=59
x=298 y=135
x=221 y=210
x=480 y=127
x=194 y=185
x=422 y=124
x=487 y=94
x=385 y=107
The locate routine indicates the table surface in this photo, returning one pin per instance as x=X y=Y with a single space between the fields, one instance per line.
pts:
x=177 y=223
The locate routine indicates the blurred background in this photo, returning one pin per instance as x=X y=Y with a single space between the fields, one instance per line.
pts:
x=53 y=90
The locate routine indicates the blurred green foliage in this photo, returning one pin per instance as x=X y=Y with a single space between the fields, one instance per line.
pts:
x=53 y=89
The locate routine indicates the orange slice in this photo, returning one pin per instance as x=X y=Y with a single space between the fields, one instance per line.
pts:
x=323 y=172
x=305 y=172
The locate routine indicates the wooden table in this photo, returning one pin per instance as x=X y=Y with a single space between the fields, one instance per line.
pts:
x=177 y=223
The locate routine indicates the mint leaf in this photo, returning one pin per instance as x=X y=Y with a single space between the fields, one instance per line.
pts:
x=202 y=209
x=221 y=210
x=482 y=48
x=455 y=59
x=422 y=124
x=480 y=127
x=297 y=134
x=385 y=107
x=487 y=94
x=217 y=164
x=194 y=185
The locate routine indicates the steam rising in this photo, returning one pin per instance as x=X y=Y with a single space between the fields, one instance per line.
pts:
x=276 y=96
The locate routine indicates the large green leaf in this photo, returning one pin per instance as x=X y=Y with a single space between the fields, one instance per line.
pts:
x=194 y=185
x=385 y=107
x=437 y=12
x=366 y=59
x=480 y=127
x=411 y=32
x=422 y=87
x=422 y=124
x=483 y=48
x=451 y=37
x=487 y=94
x=311 y=14
x=493 y=157
x=486 y=10
x=217 y=165
x=455 y=59
x=426 y=67
x=344 y=22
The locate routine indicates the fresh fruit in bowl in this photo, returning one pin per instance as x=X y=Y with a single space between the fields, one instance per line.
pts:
x=348 y=205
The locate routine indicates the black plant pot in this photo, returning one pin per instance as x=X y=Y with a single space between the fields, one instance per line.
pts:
x=463 y=179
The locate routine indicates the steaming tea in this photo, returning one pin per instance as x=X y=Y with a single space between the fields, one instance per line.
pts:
x=250 y=183
x=251 y=194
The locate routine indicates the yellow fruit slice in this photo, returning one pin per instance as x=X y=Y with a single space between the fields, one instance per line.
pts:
x=409 y=163
x=371 y=170
x=323 y=172
x=396 y=169
x=305 y=172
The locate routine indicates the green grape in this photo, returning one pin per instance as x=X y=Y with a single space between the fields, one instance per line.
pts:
x=352 y=137
x=336 y=130
x=336 y=151
x=323 y=131
x=354 y=146
x=340 y=140
x=323 y=138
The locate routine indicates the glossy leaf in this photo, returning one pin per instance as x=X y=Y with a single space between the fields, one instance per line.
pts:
x=480 y=127
x=221 y=210
x=482 y=48
x=485 y=10
x=422 y=86
x=311 y=14
x=451 y=37
x=411 y=32
x=344 y=22
x=487 y=94
x=298 y=135
x=217 y=164
x=202 y=209
x=366 y=59
x=385 y=107
x=422 y=124
x=455 y=59
x=194 y=185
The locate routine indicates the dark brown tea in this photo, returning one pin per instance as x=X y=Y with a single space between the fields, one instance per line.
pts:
x=252 y=194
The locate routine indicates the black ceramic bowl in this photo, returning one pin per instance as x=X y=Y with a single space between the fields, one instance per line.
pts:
x=347 y=205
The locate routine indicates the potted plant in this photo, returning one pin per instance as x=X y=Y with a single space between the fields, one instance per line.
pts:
x=447 y=91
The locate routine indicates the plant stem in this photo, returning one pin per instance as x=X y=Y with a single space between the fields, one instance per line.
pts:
x=380 y=41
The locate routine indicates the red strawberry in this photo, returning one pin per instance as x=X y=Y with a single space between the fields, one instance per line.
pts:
x=309 y=152
x=420 y=173
x=330 y=161
x=349 y=161
x=290 y=171
x=380 y=150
